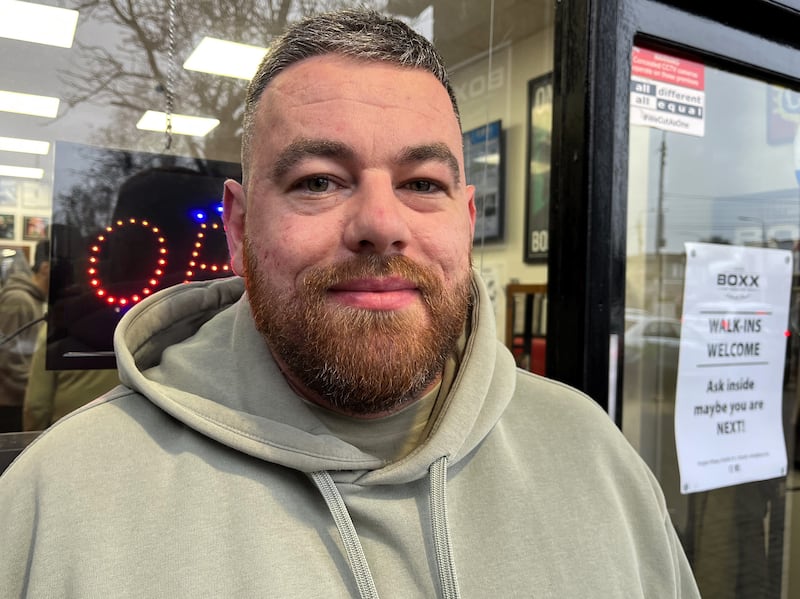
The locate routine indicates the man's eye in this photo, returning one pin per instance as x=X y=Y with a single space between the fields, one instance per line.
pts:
x=421 y=186
x=317 y=184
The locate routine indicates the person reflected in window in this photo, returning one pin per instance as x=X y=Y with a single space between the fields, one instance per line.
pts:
x=52 y=394
x=22 y=301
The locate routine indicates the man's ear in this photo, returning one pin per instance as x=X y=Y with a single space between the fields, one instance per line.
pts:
x=471 y=208
x=234 y=211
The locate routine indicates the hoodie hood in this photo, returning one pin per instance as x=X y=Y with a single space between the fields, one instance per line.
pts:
x=194 y=351
x=23 y=282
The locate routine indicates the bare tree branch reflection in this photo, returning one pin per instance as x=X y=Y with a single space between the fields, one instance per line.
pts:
x=126 y=64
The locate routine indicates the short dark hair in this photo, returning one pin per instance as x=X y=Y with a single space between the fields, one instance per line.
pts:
x=360 y=34
x=41 y=254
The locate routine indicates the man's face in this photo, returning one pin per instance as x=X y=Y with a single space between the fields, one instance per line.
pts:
x=354 y=235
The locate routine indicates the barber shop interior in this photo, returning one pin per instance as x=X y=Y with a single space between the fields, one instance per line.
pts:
x=623 y=252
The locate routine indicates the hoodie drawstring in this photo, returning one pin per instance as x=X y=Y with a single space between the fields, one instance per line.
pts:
x=441 y=530
x=355 y=553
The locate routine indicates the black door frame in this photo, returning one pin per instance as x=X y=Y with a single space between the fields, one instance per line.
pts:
x=588 y=208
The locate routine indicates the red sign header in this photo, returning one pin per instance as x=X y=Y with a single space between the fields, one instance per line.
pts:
x=668 y=69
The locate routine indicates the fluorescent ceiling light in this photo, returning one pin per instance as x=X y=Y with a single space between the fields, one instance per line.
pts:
x=29 y=22
x=221 y=57
x=28 y=146
x=28 y=104
x=21 y=171
x=182 y=124
x=490 y=159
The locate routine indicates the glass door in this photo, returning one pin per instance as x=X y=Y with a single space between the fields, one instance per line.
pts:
x=714 y=160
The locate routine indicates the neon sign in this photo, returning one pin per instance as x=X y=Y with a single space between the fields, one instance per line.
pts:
x=196 y=263
x=197 y=266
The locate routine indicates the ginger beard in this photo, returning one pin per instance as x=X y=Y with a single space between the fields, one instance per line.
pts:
x=363 y=362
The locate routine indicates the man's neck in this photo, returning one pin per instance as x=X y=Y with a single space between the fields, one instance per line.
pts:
x=312 y=396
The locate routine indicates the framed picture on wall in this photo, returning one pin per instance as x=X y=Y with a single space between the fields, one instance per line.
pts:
x=34 y=194
x=537 y=193
x=8 y=194
x=6 y=226
x=35 y=227
x=484 y=163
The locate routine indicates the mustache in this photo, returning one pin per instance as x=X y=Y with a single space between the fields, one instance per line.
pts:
x=320 y=278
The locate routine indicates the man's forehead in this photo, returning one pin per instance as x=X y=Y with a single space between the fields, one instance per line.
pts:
x=328 y=88
x=342 y=76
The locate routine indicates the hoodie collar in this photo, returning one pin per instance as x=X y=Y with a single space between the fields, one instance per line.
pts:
x=194 y=351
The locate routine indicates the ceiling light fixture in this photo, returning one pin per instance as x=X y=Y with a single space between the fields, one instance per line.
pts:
x=182 y=124
x=28 y=146
x=221 y=57
x=37 y=23
x=21 y=171
x=45 y=106
x=490 y=159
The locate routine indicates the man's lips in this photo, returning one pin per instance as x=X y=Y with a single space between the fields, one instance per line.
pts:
x=390 y=293
x=376 y=285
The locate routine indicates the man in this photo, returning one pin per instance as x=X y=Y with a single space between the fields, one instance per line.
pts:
x=348 y=425
x=22 y=301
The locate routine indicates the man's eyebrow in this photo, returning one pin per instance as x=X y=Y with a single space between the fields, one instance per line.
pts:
x=308 y=148
x=435 y=151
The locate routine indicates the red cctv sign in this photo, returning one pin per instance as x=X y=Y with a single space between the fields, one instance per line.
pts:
x=667 y=69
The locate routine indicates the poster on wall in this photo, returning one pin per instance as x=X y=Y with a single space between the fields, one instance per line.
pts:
x=126 y=225
x=729 y=395
x=6 y=226
x=35 y=228
x=667 y=92
x=484 y=162
x=8 y=193
x=537 y=195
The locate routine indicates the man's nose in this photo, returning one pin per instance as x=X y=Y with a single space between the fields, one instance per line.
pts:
x=377 y=218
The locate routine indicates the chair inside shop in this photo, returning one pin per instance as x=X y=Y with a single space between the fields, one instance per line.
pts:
x=526 y=325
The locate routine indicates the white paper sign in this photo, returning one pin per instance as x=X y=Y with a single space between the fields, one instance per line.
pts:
x=729 y=396
x=652 y=105
x=667 y=92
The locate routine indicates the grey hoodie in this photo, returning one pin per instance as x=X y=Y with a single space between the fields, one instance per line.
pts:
x=206 y=476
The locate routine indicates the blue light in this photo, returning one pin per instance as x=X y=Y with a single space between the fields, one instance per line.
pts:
x=205 y=214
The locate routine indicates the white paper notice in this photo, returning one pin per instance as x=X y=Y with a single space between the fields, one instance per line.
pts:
x=667 y=92
x=728 y=404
